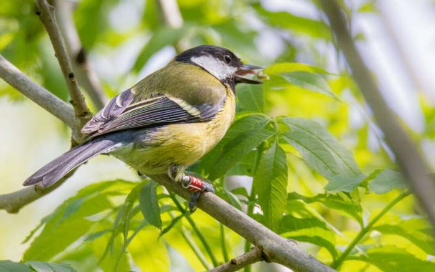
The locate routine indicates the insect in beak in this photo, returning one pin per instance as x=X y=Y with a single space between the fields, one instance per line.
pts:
x=248 y=69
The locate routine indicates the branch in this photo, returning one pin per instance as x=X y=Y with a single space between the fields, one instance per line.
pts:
x=86 y=76
x=408 y=156
x=48 y=101
x=274 y=247
x=250 y=257
x=45 y=12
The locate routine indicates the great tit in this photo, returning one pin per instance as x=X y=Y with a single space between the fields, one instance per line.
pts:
x=165 y=122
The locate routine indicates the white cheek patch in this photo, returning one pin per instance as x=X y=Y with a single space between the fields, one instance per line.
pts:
x=218 y=68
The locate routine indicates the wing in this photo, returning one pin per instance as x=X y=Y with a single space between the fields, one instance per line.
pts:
x=121 y=114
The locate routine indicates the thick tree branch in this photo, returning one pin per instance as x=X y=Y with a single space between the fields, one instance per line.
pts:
x=408 y=156
x=45 y=12
x=39 y=95
x=86 y=76
x=250 y=257
x=274 y=247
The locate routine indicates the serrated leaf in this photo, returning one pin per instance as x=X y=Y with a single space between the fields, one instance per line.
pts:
x=308 y=229
x=339 y=202
x=8 y=266
x=309 y=81
x=270 y=183
x=234 y=150
x=149 y=204
x=322 y=152
x=390 y=258
x=50 y=267
x=387 y=180
x=250 y=98
x=285 y=67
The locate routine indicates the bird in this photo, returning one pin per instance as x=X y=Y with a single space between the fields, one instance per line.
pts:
x=166 y=122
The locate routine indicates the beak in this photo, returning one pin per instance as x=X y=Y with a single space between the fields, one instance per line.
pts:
x=247 y=69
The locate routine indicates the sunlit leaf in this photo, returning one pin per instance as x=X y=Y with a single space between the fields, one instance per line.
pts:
x=149 y=204
x=286 y=67
x=387 y=180
x=308 y=81
x=250 y=98
x=270 y=183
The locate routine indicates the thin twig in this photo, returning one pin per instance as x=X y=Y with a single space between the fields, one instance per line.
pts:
x=48 y=101
x=45 y=12
x=408 y=156
x=87 y=78
x=248 y=258
x=366 y=229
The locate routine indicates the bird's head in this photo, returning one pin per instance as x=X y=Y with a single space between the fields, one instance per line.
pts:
x=221 y=63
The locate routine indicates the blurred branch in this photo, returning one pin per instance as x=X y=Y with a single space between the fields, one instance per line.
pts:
x=39 y=95
x=86 y=76
x=408 y=156
x=250 y=257
x=45 y=12
x=274 y=247
x=172 y=18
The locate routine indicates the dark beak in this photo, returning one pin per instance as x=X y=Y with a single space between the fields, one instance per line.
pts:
x=247 y=69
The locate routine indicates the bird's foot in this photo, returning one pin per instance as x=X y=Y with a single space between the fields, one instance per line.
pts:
x=197 y=186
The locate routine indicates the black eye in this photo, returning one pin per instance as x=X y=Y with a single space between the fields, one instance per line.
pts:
x=227 y=59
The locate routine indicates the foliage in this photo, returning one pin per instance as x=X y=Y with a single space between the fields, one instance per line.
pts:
x=315 y=177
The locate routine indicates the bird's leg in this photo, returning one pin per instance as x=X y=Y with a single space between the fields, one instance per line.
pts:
x=191 y=183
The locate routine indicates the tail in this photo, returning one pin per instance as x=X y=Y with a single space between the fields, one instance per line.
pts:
x=62 y=165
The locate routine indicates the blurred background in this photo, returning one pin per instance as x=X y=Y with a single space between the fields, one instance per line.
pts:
x=127 y=39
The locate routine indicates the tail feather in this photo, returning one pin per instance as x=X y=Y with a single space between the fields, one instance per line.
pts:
x=62 y=165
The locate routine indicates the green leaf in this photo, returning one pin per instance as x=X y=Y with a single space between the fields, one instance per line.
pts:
x=8 y=266
x=50 y=267
x=308 y=229
x=390 y=258
x=302 y=25
x=161 y=37
x=233 y=199
x=308 y=81
x=414 y=230
x=149 y=204
x=250 y=98
x=387 y=180
x=270 y=183
x=237 y=148
x=285 y=67
x=207 y=164
x=340 y=202
x=322 y=152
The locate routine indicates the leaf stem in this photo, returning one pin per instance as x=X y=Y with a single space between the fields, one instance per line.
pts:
x=251 y=200
x=196 y=230
x=367 y=228
x=223 y=244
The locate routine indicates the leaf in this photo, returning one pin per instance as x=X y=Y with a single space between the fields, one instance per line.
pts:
x=162 y=37
x=237 y=148
x=313 y=28
x=340 y=202
x=322 y=152
x=270 y=183
x=308 y=81
x=149 y=204
x=8 y=266
x=233 y=199
x=279 y=68
x=308 y=229
x=413 y=230
x=250 y=98
x=248 y=123
x=390 y=258
x=387 y=180
x=50 y=267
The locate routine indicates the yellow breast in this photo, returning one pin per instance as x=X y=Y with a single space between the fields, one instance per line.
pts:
x=183 y=144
